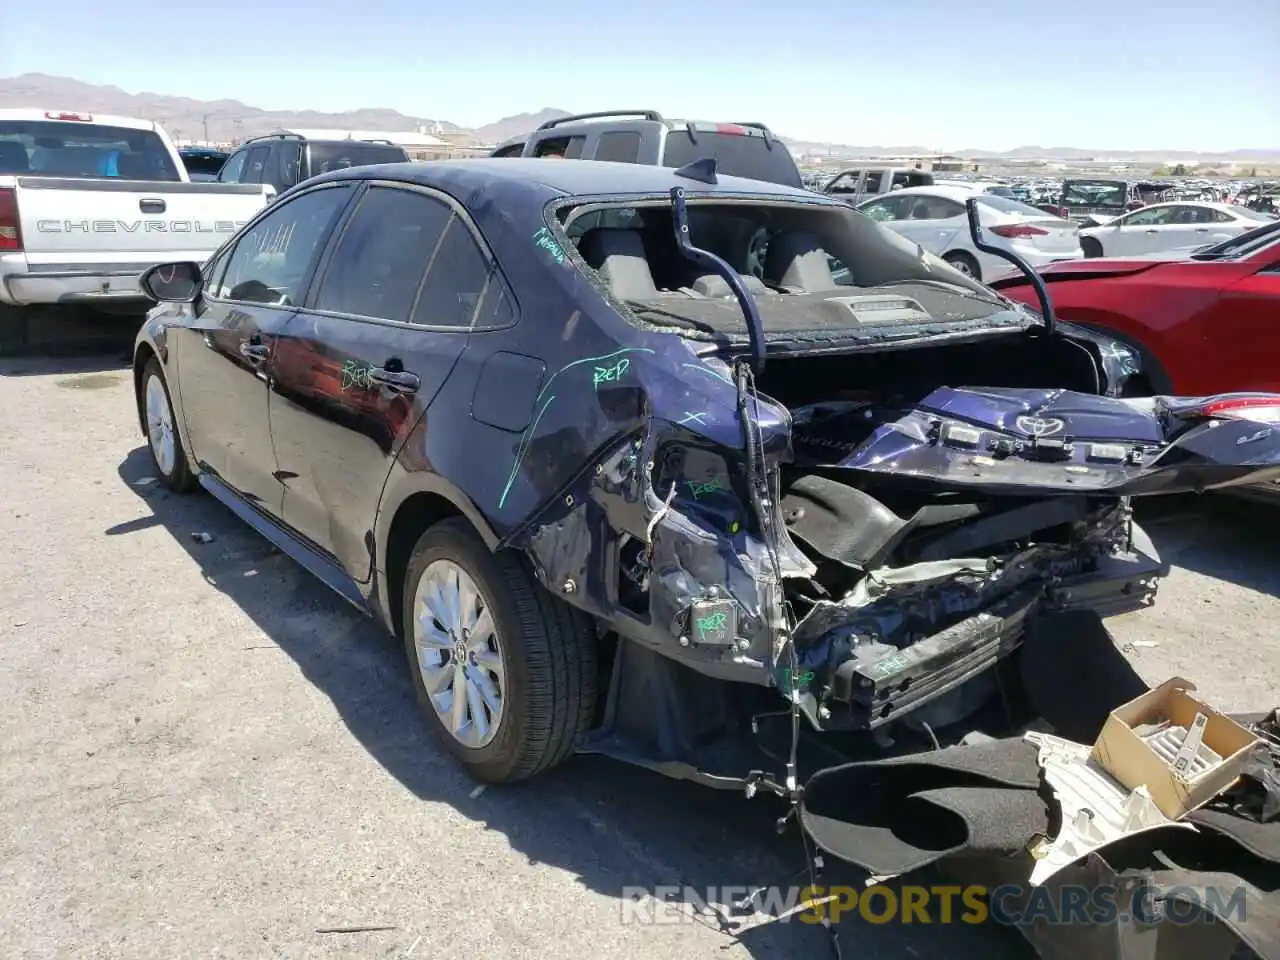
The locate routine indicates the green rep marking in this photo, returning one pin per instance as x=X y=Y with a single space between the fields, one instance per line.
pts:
x=711 y=625
x=784 y=678
x=523 y=447
x=356 y=374
x=611 y=374
x=700 y=490
x=542 y=238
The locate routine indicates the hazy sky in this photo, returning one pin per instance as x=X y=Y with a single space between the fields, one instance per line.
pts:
x=1123 y=74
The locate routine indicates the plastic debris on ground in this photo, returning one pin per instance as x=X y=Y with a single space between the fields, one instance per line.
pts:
x=1096 y=810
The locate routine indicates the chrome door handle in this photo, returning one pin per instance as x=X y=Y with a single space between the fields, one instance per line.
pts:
x=254 y=351
x=400 y=381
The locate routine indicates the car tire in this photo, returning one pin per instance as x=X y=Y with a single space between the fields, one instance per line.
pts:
x=964 y=263
x=537 y=665
x=163 y=439
x=1091 y=247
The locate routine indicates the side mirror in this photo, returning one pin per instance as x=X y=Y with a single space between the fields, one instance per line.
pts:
x=172 y=282
x=271 y=193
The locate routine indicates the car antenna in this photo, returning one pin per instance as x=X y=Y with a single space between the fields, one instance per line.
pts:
x=1042 y=292
x=705 y=258
x=703 y=170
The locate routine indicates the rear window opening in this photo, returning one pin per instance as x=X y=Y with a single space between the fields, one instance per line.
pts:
x=207 y=164
x=749 y=154
x=79 y=150
x=326 y=157
x=824 y=269
x=1095 y=193
x=566 y=148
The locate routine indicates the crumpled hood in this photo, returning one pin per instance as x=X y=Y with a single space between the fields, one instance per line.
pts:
x=1021 y=441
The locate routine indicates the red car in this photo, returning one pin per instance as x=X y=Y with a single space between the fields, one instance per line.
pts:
x=1206 y=323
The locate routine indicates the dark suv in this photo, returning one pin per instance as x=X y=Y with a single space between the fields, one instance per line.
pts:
x=286 y=159
x=644 y=136
x=520 y=412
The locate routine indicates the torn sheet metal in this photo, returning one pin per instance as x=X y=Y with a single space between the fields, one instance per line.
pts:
x=1096 y=810
x=1006 y=440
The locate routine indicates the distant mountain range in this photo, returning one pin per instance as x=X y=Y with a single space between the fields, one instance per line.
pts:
x=228 y=120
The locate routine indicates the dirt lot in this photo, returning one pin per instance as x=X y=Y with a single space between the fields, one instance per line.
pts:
x=204 y=753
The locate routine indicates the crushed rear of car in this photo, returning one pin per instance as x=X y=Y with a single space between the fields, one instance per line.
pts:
x=841 y=503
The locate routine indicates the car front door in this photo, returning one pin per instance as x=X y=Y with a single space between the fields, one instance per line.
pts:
x=233 y=169
x=1141 y=232
x=226 y=348
x=359 y=366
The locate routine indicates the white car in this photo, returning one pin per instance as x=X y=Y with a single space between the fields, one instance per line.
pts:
x=935 y=218
x=1169 y=226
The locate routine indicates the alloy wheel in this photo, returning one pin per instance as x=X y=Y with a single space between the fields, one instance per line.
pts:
x=459 y=653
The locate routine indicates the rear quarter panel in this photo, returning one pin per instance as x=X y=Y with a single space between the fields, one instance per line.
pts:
x=1172 y=312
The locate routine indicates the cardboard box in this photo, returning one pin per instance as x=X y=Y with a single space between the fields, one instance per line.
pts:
x=1124 y=755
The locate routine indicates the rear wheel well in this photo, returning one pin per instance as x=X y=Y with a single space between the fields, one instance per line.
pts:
x=414 y=516
x=141 y=356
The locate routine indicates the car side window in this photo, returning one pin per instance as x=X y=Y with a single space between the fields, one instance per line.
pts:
x=884 y=210
x=567 y=148
x=512 y=150
x=846 y=182
x=273 y=258
x=255 y=165
x=873 y=181
x=211 y=272
x=288 y=157
x=455 y=281
x=497 y=308
x=1151 y=217
x=234 y=167
x=1221 y=216
x=622 y=146
x=933 y=208
x=381 y=257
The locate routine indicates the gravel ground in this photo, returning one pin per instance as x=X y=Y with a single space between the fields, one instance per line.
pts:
x=205 y=753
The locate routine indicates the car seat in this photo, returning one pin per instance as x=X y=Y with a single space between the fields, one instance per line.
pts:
x=618 y=256
x=797 y=261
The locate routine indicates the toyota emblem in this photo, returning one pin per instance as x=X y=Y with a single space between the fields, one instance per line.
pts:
x=1040 y=426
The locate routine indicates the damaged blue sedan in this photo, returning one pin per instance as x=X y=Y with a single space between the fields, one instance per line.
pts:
x=669 y=466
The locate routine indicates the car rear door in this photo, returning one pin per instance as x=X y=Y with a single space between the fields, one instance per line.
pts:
x=358 y=368
x=226 y=346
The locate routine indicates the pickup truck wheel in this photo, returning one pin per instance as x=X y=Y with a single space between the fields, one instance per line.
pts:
x=504 y=671
x=964 y=263
x=1091 y=247
x=162 y=431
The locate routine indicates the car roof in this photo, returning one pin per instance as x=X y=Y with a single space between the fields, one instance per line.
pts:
x=100 y=119
x=959 y=194
x=568 y=177
x=1212 y=204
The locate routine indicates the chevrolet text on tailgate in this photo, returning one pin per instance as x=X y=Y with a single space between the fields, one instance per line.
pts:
x=88 y=202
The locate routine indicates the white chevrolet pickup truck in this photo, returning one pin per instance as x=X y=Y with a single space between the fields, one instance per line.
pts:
x=88 y=202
